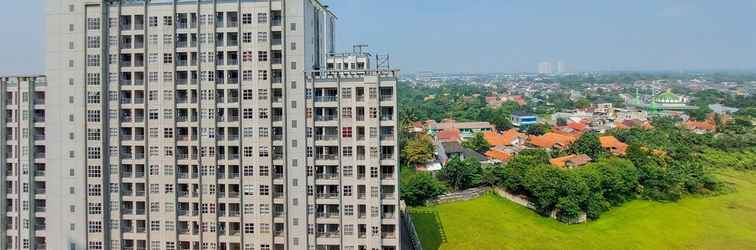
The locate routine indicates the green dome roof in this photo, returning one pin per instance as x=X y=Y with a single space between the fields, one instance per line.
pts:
x=667 y=97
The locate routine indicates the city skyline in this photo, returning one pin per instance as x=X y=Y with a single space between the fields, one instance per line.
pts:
x=516 y=35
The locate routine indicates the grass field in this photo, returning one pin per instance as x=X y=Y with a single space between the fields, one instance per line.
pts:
x=725 y=221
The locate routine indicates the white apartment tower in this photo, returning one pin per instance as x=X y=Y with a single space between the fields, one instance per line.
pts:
x=25 y=182
x=214 y=124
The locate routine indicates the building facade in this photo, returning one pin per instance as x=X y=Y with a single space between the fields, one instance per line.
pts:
x=24 y=189
x=189 y=124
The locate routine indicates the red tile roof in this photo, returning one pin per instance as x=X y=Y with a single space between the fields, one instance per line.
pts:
x=613 y=145
x=571 y=161
x=551 y=140
x=498 y=155
x=700 y=125
x=449 y=135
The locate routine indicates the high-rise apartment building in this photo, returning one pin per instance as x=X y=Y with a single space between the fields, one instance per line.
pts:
x=198 y=124
x=25 y=182
x=546 y=68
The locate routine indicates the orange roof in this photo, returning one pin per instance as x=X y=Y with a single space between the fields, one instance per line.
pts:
x=550 y=140
x=571 y=160
x=577 y=126
x=699 y=125
x=498 y=155
x=449 y=135
x=612 y=144
x=512 y=134
x=494 y=138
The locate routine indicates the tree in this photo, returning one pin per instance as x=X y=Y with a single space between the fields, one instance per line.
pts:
x=419 y=150
x=492 y=175
x=419 y=188
x=462 y=174
x=502 y=122
x=537 y=129
x=477 y=143
x=588 y=144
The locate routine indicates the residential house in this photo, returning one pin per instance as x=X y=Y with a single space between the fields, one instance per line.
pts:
x=523 y=120
x=498 y=156
x=552 y=141
x=611 y=144
x=466 y=129
x=700 y=127
x=571 y=161
x=448 y=150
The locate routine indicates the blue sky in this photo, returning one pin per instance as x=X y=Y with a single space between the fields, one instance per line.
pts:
x=499 y=35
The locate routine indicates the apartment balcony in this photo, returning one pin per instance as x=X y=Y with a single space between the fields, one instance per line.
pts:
x=325 y=98
x=39 y=137
x=331 y=137
x=278 y=195
x=388 y=196
x=387 y=176
x=388 y=235
x=387 y=156
x=325 y=118
x=387 y=117
x=327 y=176
x=277 y=118
x=385 y=98
x=277 y=156
x=388 y=216
x=387 y=137
x=327 y=157
x=326 y=195
x=327 y=215
x=329 y=234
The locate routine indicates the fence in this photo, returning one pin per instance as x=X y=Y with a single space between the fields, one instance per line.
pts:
x=410 y=240
x=464 y=195
x=474 y=193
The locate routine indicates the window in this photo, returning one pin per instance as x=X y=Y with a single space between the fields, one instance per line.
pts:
x=93 y=23
x=247 y=94
x=93 y=79
x=347 y=151
x=247 y=18
x=247 y=113
x=93 y=134
x=93 y=97
x=93 y=153
x=346 y=112
x=346 y=132
x=262 y=37
x=249 y=171
x=93 y=115
x=263 y=113
x=247 y=37
x=262 y=75
x=167 y=20
x=346 y=93
x=167 y=58
x=247 y=56
x=293 y=26
x=262 y=17
x=93 y=60
x=94 y=171
x=153 y=21
x=262 y=56
x=93 y=42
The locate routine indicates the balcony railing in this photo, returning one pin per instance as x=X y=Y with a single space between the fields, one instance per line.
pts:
x=325 y=98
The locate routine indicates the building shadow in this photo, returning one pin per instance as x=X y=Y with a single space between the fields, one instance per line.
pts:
x=429 y=229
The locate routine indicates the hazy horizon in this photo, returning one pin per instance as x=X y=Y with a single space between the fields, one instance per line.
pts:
x=499 y=35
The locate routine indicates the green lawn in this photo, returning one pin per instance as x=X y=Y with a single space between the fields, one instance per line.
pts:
x=720 y=222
